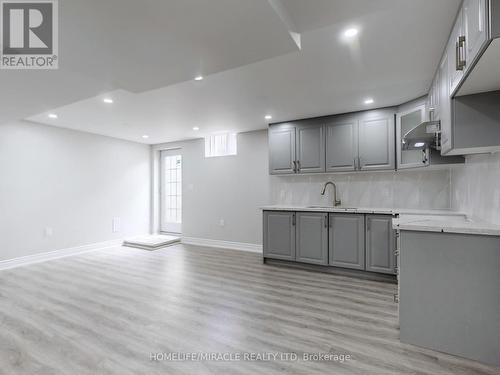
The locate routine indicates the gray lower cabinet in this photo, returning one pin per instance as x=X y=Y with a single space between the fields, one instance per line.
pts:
x=380 y=244
x=282 y=149
x=312 y=237
x=376 y=140
x=347 y=241
x=279 y=235
x=450 y=299
x=341 y=143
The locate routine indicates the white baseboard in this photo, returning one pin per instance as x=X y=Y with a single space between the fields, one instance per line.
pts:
x=242 y=246
x=62 y=253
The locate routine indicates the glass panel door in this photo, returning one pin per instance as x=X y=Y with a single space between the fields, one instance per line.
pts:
x=406 y=121
x=171 y=191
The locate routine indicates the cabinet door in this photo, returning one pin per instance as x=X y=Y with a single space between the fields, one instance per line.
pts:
x=377 y=140
x=380 y=244
x=341 y=144
x=405 y=121
x=455 y=71
x=310 y=147
x=312 y=237
x=474 y=13
x=281 y=149
x=435 y=104
x=445 y=105
x=347 y=241
x=279 y=235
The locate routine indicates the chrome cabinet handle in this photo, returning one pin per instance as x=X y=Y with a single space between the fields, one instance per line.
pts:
x=396 y=253
x=293 y=219
x=359 y=163
x=463 y=57
x=298 y=166
x=355 y=164
x=294 y=166
x=326 y=221
x=460 y=53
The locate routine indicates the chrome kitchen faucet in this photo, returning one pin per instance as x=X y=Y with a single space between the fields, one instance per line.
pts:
x=336 y=202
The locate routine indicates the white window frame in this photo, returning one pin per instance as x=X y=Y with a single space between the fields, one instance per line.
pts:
x=221 y=144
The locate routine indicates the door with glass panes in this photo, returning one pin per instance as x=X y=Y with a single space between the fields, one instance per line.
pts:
x=171 y=191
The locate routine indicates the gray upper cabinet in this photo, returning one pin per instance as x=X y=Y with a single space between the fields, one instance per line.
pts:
x=456 y=45
x=445 y=105
x=377 y=140
x=475 y=32
x=405 y=121
x=380 y=244
x=310 y=147
x=350 y=142
x=468 y=37
x=312 y=237
x=341 y=143
x=279 y=235
x=297 y=147
x=282 y=149
x=347 y=241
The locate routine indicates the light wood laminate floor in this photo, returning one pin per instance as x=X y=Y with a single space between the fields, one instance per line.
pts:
x=105 y=312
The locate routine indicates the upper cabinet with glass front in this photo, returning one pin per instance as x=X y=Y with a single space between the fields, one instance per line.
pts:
x=409 y=116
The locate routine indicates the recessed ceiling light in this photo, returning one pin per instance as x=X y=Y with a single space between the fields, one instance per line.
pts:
x=268 y=117
x=196 y=128
x=369 y=101
x=145 y=136
x=198 y=78
x=52 y=115
x=351 y=32
x=108 y=100
x=419 y=144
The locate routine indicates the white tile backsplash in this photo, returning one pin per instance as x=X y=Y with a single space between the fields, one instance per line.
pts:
x=476 y=187
x=404 y=189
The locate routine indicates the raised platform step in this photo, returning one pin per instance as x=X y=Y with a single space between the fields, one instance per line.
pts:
x=151 y=242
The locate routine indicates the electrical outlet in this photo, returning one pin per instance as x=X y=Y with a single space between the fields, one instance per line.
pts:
x=116 y=224
x=222 y=222
x=48 y=232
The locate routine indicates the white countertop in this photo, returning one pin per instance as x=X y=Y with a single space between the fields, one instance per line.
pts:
x=445 y=224
x=444 y=221
x=363 y=210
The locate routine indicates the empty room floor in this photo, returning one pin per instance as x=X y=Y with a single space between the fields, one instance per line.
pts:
x=113 y=311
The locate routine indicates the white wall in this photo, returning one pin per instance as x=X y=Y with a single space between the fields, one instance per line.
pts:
x=72 y=182
x=476 y=187
x=233 y=187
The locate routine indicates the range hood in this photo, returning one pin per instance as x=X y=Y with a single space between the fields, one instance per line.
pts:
x=424 y=135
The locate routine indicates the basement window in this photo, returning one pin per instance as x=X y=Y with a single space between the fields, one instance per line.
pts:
x=222 y=144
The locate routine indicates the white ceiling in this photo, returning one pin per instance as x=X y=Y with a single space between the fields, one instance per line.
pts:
x=141 y=45
x=251 y=68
